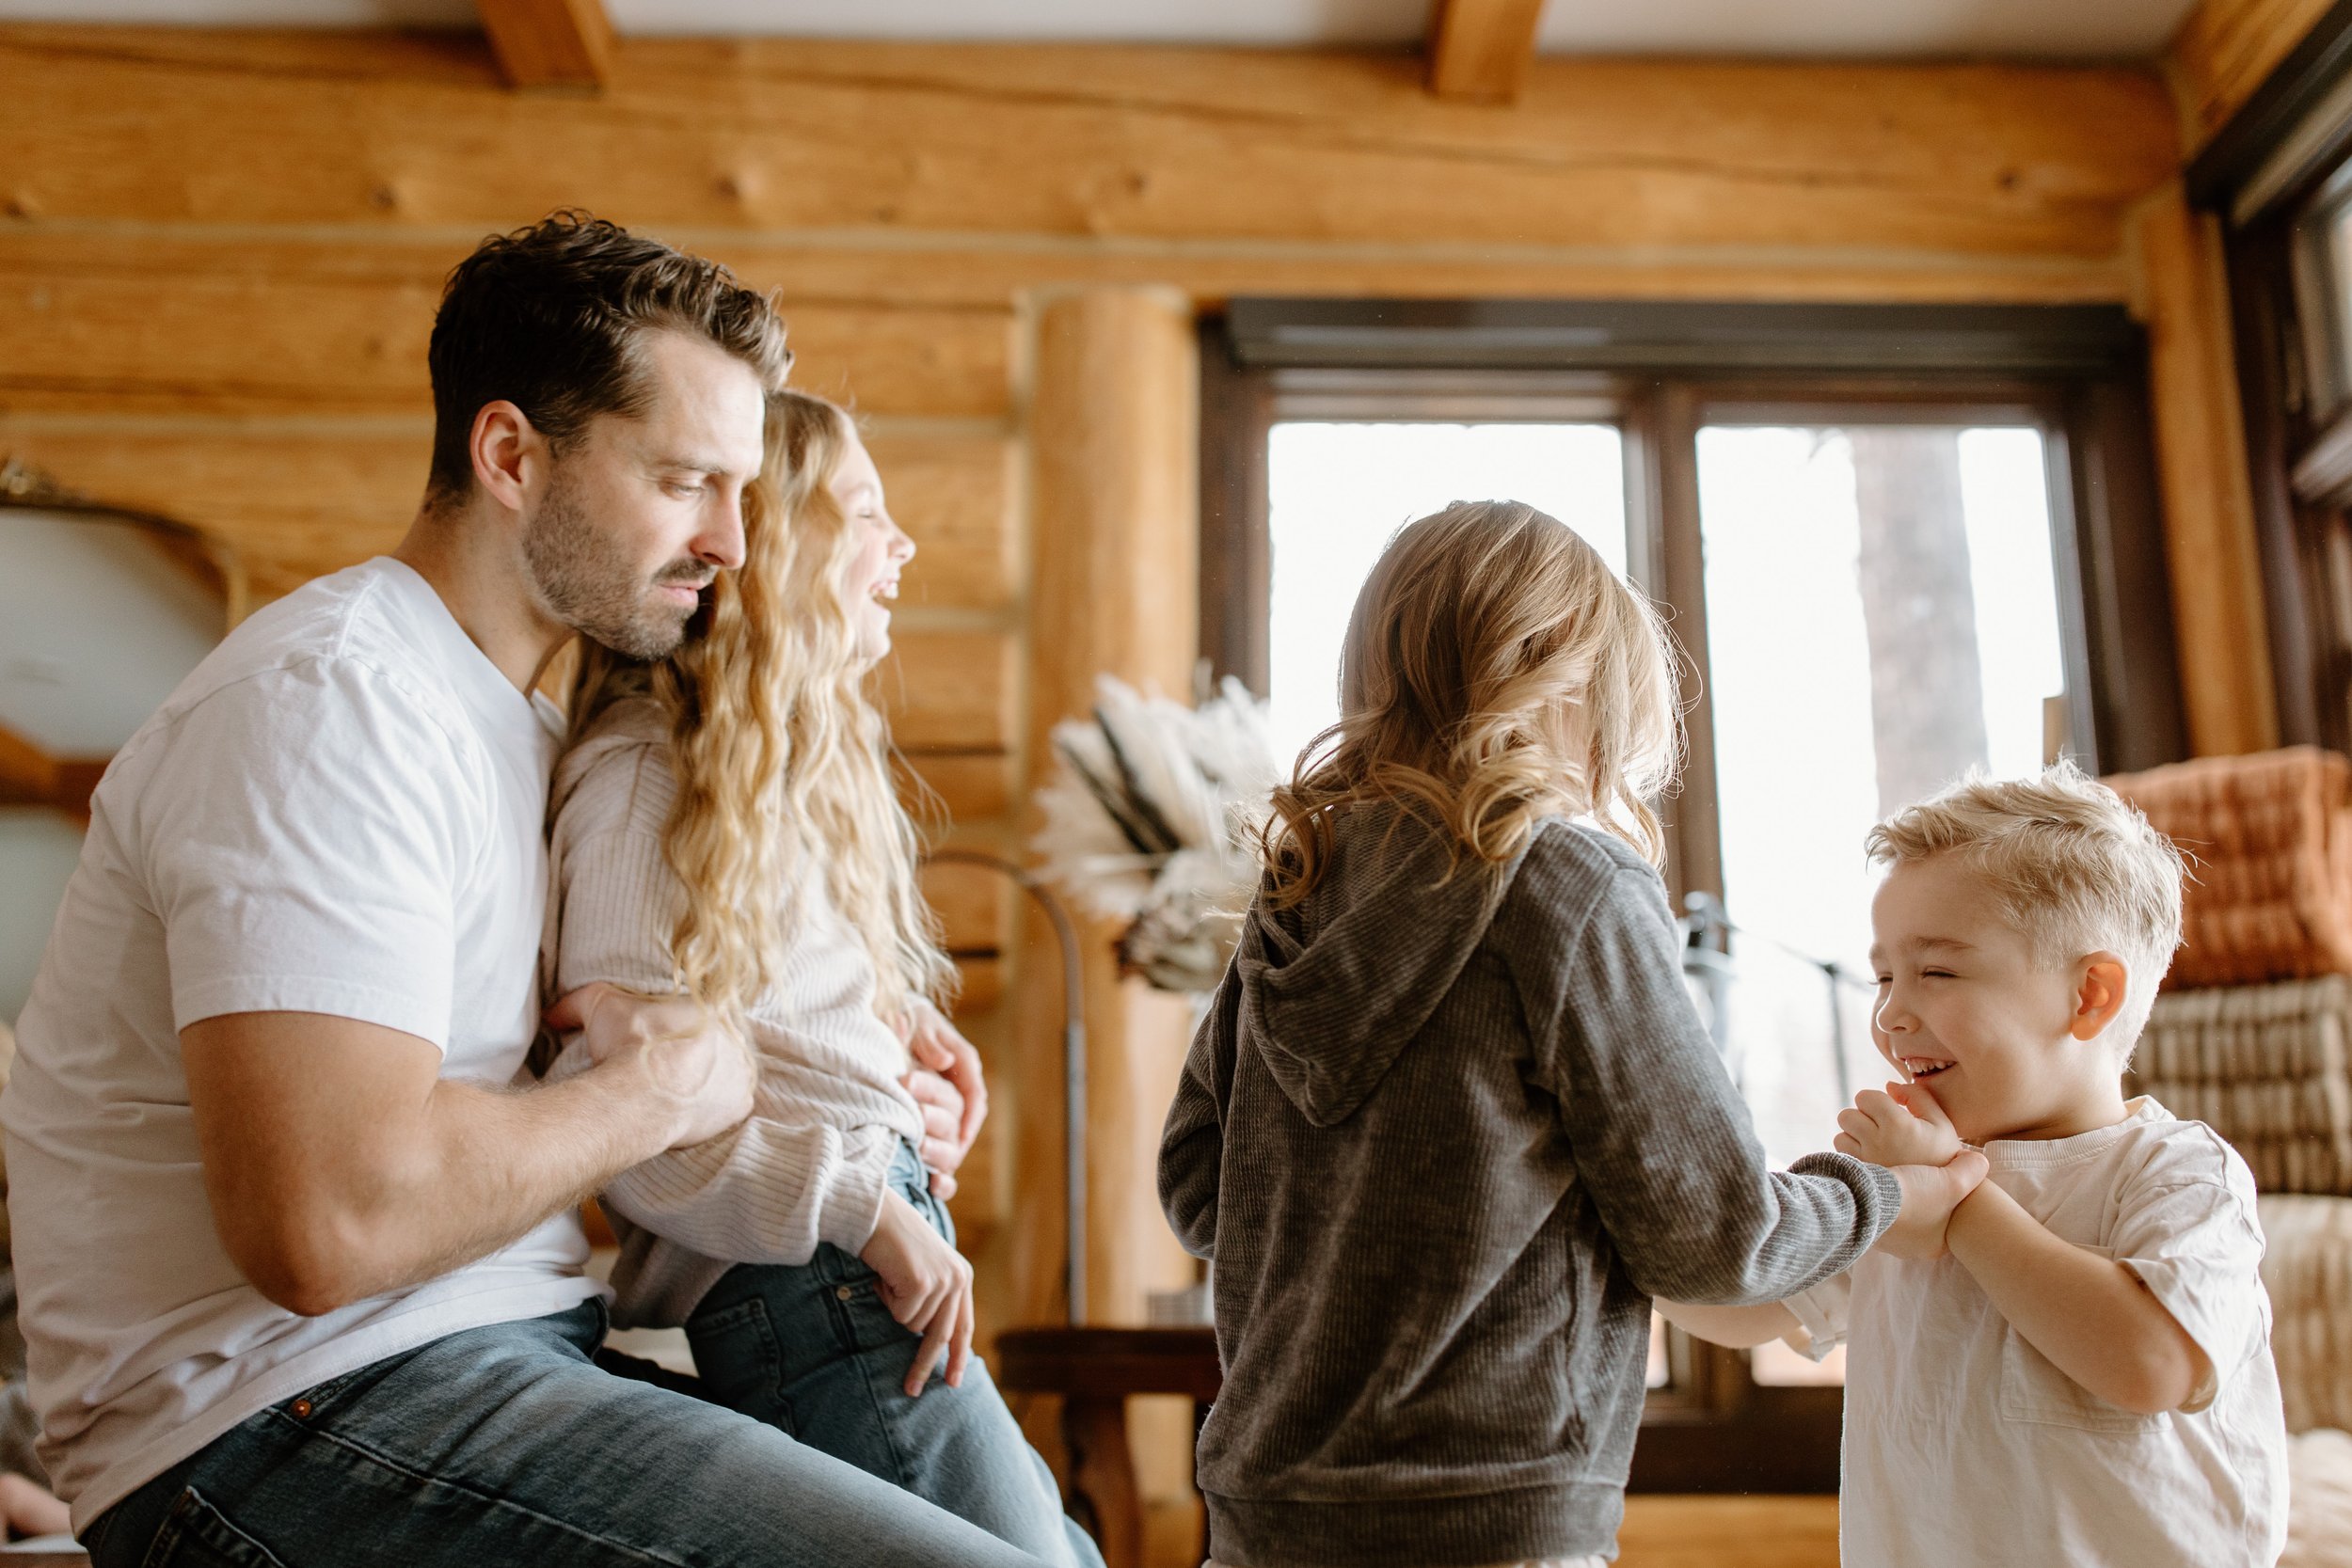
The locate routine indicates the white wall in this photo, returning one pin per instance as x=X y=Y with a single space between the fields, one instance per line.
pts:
x=38 y=849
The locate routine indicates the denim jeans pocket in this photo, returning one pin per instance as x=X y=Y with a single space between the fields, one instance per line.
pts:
x=740 y=1361
x=198 y=1535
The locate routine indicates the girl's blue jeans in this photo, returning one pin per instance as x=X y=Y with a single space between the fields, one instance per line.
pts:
x=813 y=1351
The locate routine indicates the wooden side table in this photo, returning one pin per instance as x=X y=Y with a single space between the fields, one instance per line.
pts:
x=1095 y=1370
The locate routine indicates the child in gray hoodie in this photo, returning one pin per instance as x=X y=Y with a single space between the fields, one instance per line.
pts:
x=1451 y=1120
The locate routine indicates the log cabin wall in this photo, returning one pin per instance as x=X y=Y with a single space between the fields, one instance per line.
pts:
x=220 y=252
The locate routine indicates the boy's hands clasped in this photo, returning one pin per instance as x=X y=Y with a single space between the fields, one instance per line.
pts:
x=1902 y=1128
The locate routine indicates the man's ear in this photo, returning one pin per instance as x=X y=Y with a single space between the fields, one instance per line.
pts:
x=510 y=456
x=2101 y=980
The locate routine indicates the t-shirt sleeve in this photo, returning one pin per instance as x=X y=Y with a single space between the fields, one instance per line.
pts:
x=2188 y=1229
x=305 y=845
x=1823 y=1310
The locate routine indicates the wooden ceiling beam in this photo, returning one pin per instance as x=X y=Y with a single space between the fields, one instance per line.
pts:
x=550 y=43
x=1480 y=49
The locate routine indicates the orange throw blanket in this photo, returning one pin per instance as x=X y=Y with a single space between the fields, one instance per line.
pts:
x=2269 y=838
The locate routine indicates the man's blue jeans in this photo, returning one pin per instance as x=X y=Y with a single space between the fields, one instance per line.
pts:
x=508 y=1445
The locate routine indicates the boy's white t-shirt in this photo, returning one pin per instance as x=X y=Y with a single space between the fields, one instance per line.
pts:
x=1965 y=1445
x=338 y=812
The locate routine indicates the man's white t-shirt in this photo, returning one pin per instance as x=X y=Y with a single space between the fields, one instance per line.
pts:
x=1965 y=1445
x=340 y=812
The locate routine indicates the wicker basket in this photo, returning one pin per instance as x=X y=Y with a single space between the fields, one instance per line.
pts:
x=2307 y=1271
x=2266 y=1068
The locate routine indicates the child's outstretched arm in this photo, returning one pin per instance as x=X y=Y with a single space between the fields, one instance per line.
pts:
x=1192 y=1145
x=1661 y=1138
x=2092 y=1316
x=1738 y=1327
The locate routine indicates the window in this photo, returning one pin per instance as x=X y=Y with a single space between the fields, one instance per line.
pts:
x=1885 y=571
x=1337 y=490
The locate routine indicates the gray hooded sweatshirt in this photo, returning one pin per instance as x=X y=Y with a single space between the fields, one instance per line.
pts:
x=1444 y=1137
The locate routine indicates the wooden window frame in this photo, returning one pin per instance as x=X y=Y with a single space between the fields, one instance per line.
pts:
x=1659 y=372
x=2288 y=149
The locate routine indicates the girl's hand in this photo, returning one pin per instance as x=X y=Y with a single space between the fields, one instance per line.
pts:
x=1902 y=1125
x=947 y=1084
x=928 y=1286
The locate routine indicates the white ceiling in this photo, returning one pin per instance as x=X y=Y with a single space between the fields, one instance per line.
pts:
x=1887 y=28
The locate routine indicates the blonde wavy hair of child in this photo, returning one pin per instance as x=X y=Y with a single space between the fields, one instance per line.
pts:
x=783 y=758
x=1495 y=671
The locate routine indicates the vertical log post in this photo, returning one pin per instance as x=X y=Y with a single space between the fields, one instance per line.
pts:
x=2219 y=620
x=1113 y=427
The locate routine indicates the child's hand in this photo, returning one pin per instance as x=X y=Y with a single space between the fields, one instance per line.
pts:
x=1930 y=1192
x=928 y=1286
x=1901 y=1126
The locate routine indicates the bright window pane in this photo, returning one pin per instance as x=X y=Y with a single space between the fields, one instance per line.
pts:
x=1338 y=492
x=1882 y=617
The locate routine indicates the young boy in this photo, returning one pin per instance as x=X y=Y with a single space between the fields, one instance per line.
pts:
x=2085 y=1377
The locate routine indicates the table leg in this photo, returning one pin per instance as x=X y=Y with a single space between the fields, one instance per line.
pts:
x=1102 y=1477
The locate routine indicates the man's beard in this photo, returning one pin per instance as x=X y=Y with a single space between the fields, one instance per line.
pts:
x=589 y=583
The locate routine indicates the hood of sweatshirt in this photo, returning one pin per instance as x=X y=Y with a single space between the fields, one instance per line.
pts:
x=1334 y=988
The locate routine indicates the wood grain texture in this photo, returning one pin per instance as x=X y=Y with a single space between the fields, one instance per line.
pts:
x=1113 y=485
x=121 y=322
x=2222 y=51
x=966 y=787
x=975 y=908
x=1134 y=145
x=2217 y=607
x=29 y=776
x=1480 y=49
x=1729 y=1532
x=550 y=43
x=950 y=691
x=298 y=499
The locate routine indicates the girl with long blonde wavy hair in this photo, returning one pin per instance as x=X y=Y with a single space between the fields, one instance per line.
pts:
x=725 y=825
x=1451 y=1119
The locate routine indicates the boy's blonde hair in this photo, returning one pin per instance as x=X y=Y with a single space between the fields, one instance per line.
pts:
x=2076 y=868
x=1479 y=629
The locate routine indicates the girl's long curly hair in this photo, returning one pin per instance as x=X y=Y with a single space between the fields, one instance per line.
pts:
x=784 y=763
x=1495 y=671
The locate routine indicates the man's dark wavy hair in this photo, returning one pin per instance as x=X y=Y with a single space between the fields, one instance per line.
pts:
x=550 y=318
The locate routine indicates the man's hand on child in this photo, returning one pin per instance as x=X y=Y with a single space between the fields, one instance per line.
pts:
x=1930 y=1192
x=1902 y=1125
x=928 y=1286
x=949 y=1089
x=698 y=1070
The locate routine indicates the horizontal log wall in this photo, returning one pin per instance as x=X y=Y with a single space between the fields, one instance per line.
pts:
x=219 y=254
x=2222 y=51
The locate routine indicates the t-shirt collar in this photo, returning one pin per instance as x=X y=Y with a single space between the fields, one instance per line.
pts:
x=2013 y=1152
x=483 y=684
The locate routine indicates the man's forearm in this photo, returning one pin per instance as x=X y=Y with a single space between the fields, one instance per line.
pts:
x=492 y=1165
x=339 y=1163
x=2088 y=1314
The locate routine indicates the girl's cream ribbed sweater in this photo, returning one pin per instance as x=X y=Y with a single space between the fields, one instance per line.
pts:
x=828 y=1111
